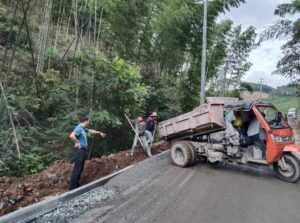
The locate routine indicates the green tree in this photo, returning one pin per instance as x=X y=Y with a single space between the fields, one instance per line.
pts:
x=236 y=45
x=288 y=65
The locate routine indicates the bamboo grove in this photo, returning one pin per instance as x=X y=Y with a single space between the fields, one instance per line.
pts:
x=62 y=58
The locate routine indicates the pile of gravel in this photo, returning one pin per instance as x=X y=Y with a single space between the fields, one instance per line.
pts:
x=76 y=207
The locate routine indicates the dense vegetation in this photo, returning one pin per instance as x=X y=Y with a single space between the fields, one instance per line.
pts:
x=284 y=103
x=265 y=88
x=62 y=58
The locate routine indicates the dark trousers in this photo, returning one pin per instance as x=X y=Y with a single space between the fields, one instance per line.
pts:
x=254 y=138
x=79 y=156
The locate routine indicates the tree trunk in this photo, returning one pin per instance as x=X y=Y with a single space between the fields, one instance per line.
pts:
x=11 y=120
x=58 y=27
x=9 y=36
x=99 y=31
x=68 y=24
x=44 y=37
x=95 y=22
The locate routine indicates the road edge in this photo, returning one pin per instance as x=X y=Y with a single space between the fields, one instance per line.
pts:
x=32 y=211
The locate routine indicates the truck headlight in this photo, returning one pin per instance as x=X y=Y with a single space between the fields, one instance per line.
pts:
x=277 y=139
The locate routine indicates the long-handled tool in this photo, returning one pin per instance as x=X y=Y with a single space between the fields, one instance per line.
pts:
x=135 y=132
x=91 y=148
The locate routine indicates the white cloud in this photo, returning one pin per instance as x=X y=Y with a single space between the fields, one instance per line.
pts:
x=260 y=14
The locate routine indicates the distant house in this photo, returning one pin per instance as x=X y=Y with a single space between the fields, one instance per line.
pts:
x=256 y=95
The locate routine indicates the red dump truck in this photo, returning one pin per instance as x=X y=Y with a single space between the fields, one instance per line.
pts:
x=239 y=132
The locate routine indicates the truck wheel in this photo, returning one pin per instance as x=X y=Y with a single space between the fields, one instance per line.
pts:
x=181 y=154
x=292 y=172
x=193 y=152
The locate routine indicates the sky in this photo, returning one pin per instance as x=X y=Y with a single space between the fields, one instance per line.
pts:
x=260 y=14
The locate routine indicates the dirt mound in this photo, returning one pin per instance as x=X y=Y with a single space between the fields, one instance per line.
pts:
x=20 y=192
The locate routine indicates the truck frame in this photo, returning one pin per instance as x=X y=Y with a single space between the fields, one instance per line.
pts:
x=208 y=132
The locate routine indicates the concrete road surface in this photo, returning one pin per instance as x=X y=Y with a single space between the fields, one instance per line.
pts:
x=156 y=191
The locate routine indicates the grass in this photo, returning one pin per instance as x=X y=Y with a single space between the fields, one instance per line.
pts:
x=284 y=103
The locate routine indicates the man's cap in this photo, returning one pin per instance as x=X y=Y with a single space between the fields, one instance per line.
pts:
x=84 y=118
x=154 y=114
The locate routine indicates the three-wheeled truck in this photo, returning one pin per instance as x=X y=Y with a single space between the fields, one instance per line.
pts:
x=210 y=132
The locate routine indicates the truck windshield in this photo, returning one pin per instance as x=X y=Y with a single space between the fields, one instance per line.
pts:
x=270 y=114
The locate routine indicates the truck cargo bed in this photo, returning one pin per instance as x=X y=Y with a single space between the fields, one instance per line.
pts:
x=205 y=119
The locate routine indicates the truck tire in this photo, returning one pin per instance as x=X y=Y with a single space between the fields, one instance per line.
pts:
x=291 y=175
x=181 y=154
x=193 y=152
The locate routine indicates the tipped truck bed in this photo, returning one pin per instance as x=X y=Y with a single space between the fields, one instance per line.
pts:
x=202 y=120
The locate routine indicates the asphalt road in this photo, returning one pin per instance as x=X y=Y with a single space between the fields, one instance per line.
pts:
x=156 y=191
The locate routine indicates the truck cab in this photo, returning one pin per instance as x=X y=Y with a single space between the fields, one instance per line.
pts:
x=279 y=135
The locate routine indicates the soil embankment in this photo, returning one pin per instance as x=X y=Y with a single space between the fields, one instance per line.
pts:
x=20 y=192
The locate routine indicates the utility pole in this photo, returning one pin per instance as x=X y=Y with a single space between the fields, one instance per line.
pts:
x=260 y=90
x=225 y=78
x=203 y=65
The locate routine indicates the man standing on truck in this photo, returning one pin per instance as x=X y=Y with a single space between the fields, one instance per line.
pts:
x=254 y=128
x=140 y=129
x=79 y=137
x=150 y=127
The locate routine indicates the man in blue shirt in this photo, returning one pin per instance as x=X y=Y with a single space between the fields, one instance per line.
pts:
x=79 y=137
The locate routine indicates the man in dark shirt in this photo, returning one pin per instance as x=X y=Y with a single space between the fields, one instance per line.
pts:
x=79 y=137
x=150 y=127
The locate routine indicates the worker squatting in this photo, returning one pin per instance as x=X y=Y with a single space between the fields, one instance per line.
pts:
x=144 y=132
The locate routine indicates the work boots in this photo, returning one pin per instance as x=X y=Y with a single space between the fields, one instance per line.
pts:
x=148 y=150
